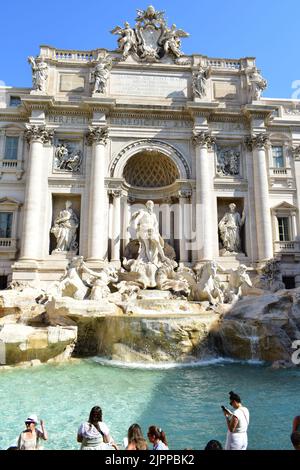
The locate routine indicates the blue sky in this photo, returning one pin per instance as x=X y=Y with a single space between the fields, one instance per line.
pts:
x=265 y=29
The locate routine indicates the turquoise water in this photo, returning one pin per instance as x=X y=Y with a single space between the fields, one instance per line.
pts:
x=185 y=402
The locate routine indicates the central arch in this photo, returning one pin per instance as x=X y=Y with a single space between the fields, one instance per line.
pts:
x=147 y=146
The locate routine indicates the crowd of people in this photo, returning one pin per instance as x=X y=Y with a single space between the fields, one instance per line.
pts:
x=94 y=434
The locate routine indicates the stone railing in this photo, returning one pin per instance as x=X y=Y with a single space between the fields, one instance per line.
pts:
x=9 y=164
x=224 y=64
x=8 y=243
x=287 y=247
x=281 y=172
x=75 y=56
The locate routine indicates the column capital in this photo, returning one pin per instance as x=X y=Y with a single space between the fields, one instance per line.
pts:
x=204 y=139
x=258 y=141
x=184 y=193
x=115 y=193
x=296 y=153
x=36 y=133
x=98 y=135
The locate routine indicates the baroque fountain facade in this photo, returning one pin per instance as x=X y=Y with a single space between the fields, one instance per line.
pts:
x=150 y=205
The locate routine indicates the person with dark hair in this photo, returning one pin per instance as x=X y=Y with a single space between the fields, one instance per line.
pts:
x=237 y=424
x=94 y=434
x=31 y=437
x=295 y=438
x=134 y=435
x=158 y=438
x=213 y=445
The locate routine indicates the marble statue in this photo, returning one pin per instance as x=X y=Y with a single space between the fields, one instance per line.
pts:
x=81 y=283
x=147 y=231
x=171 y=40
x=200 y=82
x=208 y=284
x=66 y=159
x=39 y=73
x=257 y=85
x=127 y=42
x=65 y=229
x=238 y=279
x=168 y=279
x=100 y=289
x=230 y=227
x=100 y=74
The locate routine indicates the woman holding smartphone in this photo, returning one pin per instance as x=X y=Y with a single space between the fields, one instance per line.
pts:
x=237 y=424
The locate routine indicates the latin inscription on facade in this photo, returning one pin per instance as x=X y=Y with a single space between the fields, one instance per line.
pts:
x=143 y=84
x=141 y=122
x=67 y=120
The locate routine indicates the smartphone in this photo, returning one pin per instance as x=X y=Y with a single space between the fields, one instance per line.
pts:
x=225 y=409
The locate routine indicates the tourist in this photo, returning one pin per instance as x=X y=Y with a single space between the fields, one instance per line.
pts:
x=296 y=424
x=295 y=438
x=30 y=438
x=213 y=445
x=237 y=424
x=134 y=435
x=94 y=434
x=158 y=438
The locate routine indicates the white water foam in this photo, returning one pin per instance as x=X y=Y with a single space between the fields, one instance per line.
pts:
x=171 y=365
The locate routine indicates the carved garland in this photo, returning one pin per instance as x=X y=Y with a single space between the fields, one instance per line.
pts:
x=150 y=142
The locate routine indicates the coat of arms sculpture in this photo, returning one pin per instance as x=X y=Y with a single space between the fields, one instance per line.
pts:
x=151 y=39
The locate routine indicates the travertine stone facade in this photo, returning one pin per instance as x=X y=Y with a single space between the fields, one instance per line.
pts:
x=110 y=130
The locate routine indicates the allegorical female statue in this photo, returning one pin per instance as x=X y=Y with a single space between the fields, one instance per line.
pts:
x=230 y=228
x=65 y=229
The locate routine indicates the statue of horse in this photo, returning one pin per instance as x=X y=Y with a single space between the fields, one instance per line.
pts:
x=208 y=284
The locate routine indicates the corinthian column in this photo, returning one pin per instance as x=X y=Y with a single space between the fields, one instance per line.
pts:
x=35 y=193
x=97 y=233
x=258 y=144
x=184 y=229
x=204 y=180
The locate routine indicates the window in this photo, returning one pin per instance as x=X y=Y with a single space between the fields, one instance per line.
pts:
x=5 y=224
x=15 y=101
x=278 y=160
x=3 y=282
x=11 y=148
x=283 y=226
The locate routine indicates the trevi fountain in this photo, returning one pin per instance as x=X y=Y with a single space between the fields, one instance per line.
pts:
x=158 y=265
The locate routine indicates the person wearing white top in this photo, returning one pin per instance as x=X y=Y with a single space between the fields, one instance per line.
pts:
x=237 y=424
x=94 y=433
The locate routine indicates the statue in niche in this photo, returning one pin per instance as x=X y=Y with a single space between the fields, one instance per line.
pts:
x=67 y=159
x=230 y=227
x=257 y=85
x=200 y=82
x=228 y=162
x=65 y=229
x=147 y=232
x=127 y=42
x=39 y=73
x=100 y=74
